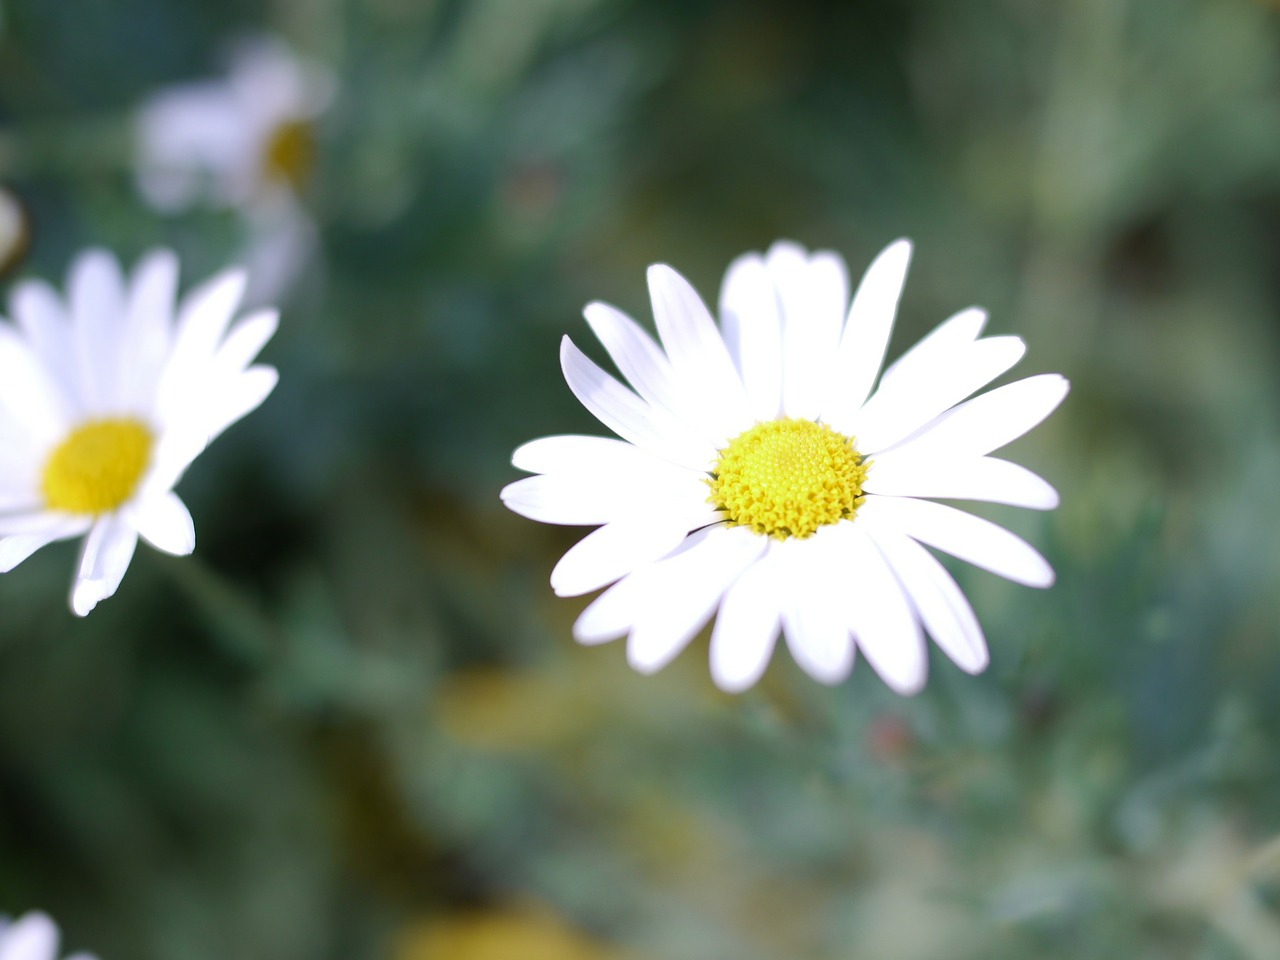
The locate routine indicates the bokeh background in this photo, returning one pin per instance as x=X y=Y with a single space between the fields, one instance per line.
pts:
x=354 y=725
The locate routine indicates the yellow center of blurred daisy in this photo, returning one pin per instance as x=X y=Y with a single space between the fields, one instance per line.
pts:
x=290 y=154
x=787 y=478
x=97 y=468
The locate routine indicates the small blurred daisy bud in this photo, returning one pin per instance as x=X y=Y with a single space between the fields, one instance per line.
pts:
x=15 y=232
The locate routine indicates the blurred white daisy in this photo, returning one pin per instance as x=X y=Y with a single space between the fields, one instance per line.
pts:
x=759 y=475
x=106 y=397
x=235 y=141
x=244 y=141
x=33 y=936
x=14 y=231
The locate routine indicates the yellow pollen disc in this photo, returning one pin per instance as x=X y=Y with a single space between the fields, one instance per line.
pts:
x=787 y=478
x=97 y=468
x=290 y=153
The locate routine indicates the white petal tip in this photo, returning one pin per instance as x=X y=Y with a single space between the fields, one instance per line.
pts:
x=659 y=272
x=735 y=684
x=643 y=665
x=901 y=247
x=86 y=595
x=975 y=666
x=906 y=688
x=1049 y=501
x=596 y=311
x=564 y=587
x=829 y=679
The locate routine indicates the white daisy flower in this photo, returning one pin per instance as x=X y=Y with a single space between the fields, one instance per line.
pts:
x=239 y=141
x=759 y=476
x=106 y=397
x=245 y=141
x=33 y=936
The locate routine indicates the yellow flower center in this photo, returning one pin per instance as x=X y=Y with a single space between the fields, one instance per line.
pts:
x=290 y=154
x=97 y=468
x=787 y=478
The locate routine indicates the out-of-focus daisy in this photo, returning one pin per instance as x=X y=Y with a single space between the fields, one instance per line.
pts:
x=244 y=141
x=33 y=936
x=15 y=231
x=235 y=141
x=106 y=397
x=759 y=475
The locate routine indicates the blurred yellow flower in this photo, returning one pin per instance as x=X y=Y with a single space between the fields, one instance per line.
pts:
x=516 y=933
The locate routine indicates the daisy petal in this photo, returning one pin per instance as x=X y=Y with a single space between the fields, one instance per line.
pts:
x=618 y=548
x=866 y=333
x=574 y=500
x=26 y=522
x=940 y=603
x=96 y=292
x=203 y=317
x=245 y=341
x=749 y=315
x=970 y=538
x=148 y=324
x=630 y=417
x=887 y=631
x=612 y=614
x=983 y=478
x=239 y=398
x=697 y=352
x=746 y=628
x=165 y=523
x=29 y=398
x=814 y=292
x=599 y=457
x=990 y=421
x=32 y=937
x=905 y=404
x=955 y=333
x=103 y=561
x=16 y=547
x=42 y=317
x=647 y=369
x=636 y=355
x=695 y=581
x=816 y=629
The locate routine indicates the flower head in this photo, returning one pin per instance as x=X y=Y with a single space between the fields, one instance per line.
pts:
x=106 y=398
x=761 y=479
x=239 y=141
x=246 y=141
x=33 y=936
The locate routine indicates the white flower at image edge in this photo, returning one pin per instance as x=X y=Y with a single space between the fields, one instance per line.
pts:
x=33 y=936
x=106 y=397
x=761 y=479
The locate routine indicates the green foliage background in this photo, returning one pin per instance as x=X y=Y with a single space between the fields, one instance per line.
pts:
x=357 y=714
